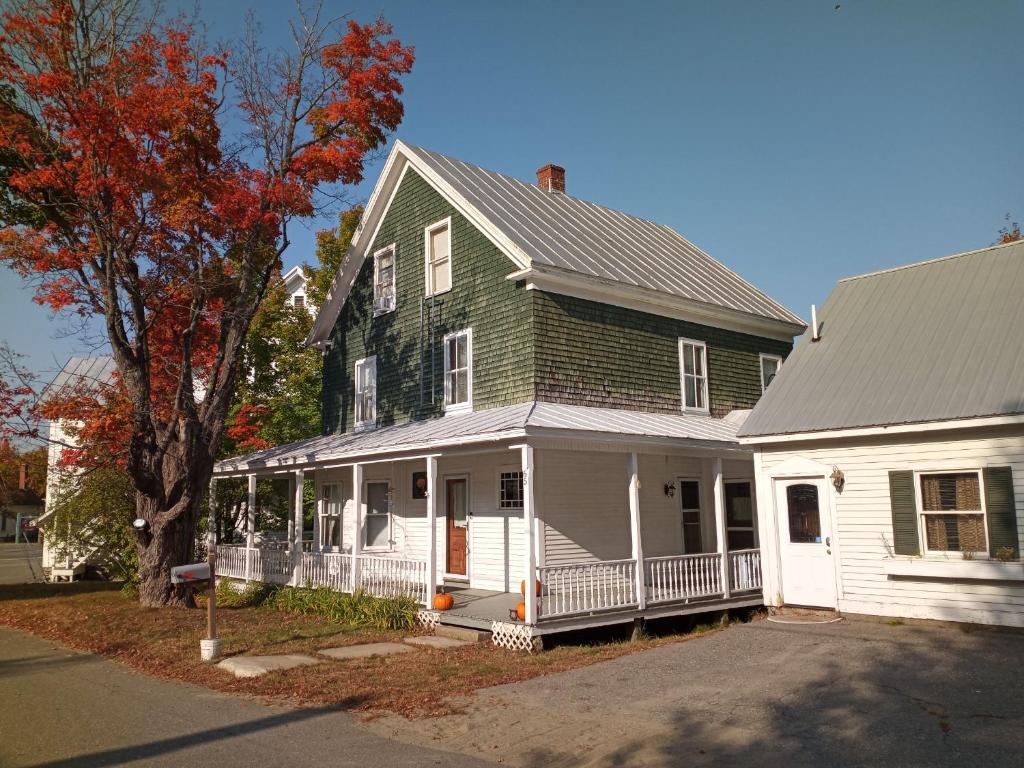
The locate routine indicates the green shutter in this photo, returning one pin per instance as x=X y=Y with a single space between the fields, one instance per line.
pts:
x=1000 y=509
x=904 y=513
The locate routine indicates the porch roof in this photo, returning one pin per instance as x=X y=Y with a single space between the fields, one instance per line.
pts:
x=508 y=422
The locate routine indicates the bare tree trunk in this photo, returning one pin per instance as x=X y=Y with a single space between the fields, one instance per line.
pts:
x=162 y=548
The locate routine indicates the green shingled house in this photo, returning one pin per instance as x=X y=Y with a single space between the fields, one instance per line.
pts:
x=522 y=385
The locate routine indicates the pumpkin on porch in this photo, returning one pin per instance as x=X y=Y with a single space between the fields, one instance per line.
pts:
x=522 y=587
x=521 y=611
x=443 y=601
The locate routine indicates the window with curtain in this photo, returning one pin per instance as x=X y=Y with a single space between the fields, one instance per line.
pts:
x=366 y=392
x=384 y=280
x=439 y=258
x=952 y=514
x=693 y=372
x=458 y=373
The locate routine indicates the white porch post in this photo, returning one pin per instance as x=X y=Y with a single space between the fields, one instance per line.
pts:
x=211 y=529
x=250 y=527
x=634 y=529
x=529 y=510
x=296 y=527
x=721 y=531
x=432 y=528
x=357 y=539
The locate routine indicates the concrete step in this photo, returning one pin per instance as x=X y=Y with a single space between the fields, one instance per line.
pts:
x=462 y=633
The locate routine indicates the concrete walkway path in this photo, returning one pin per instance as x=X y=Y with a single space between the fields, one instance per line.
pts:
x=21 y=563
x=72 y=710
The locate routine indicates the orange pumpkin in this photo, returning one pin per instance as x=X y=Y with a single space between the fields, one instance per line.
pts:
x=521 y=611
x=443 y=601
x=522 y=587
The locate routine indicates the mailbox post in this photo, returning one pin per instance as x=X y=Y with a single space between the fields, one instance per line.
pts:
x=200 y=575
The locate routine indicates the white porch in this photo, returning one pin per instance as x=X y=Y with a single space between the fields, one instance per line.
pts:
x=598 y=520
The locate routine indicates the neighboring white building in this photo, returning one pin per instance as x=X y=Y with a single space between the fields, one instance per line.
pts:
x=295 y=283
x=890 y=449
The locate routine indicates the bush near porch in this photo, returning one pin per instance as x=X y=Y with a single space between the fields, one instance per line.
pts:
x=95 y=617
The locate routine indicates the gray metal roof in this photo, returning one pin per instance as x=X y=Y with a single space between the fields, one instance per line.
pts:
x=90 y=373
x=524 y=419
x=933 y=341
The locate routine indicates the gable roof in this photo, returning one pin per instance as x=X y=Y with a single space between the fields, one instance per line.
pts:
x=90 y=373
x=557 y=236
x=928 y=342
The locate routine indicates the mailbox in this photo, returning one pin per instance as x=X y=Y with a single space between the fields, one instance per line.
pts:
x=186 y=574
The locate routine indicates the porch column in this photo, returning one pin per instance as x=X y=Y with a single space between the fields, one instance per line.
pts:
x=634 y=529
x=250 y=527
x=211 y=526
x=357 y=539
x=529 y=510
x=291 y=511
x=432 y=530
x=296 y=527
x=721 y=531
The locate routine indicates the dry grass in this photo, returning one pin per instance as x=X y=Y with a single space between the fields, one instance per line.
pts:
x=165 y=642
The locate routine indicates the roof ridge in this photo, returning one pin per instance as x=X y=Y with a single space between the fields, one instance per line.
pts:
x=927 y=262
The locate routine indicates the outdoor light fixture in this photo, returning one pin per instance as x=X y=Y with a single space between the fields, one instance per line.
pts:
x=838 y=479
x=140 y=525
x=670 y=489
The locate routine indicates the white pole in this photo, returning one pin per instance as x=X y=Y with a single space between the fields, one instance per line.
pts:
x=721 y=531
x=250 y=527
x=357 y=539
x=299 y=481
x=634 y=529
x=432 y=529
x=529 y=510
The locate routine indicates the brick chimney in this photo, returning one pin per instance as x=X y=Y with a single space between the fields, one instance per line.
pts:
x=23 y=476
x=551 y=178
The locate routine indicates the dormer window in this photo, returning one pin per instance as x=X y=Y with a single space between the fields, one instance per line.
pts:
x=366 y=392
x=298 y=300
x=770 y=365
x=384 y=280
x=458 y=371
x=439 y=257
x=693 y=373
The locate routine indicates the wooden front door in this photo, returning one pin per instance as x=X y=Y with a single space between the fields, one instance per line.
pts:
x=457 y=514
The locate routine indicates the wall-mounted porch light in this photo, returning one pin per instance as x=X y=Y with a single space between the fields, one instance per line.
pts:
x=670 y=489
x=838 y=479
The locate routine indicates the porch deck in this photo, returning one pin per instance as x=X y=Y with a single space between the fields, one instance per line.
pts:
x=478 y=608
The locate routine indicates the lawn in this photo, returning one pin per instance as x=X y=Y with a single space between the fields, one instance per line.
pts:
x=97 y=618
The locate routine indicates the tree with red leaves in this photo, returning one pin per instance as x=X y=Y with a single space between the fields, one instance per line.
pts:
x=131 y=205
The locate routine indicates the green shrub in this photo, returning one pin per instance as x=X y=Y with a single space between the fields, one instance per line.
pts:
x=253 y=594
x=358 y=609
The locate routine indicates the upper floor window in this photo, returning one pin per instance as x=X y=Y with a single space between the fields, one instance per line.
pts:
x=952 y=513
x=770 y=365
x=384 y=280
x=366 y=392
x=298 y=300
x=458 y=371
x=439 y=257
x=693 y=372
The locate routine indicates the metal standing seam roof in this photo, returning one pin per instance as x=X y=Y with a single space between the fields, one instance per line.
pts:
x=88 y=372
x=933 y=341
x=505 y=422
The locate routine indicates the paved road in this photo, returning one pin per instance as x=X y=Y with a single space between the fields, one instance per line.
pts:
x=73 y=710
x=20 y=563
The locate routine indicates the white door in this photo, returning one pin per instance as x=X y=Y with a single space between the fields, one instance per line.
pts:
x=805 y=533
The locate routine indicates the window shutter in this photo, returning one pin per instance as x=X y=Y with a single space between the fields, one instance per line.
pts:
x=904 y=513
x=1000 y=509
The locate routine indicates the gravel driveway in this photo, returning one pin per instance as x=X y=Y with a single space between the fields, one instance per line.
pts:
x=854 y=693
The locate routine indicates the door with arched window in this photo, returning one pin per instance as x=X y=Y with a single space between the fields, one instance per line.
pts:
x=805 y=539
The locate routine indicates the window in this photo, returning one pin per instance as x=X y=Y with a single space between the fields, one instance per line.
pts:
x=384 y=280
x=952 y=513
x=330 y=516
x=298 y=300
x=439 y=257
x=804 y=515
x=510 y=490
x=739 y=514
x=377 y=525
x=770 y=365
x=366 y=392
x=693 y=370
x=458 y=371
x=689 y=494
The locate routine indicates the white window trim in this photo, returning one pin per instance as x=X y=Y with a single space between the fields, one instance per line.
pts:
x=322 y=515
x=761 y=358
x=468 y=405
x=682 y=377
x=753 y=508
x=372 y=422
x=922 y=533
x=427 y=271
x=509 y=471
x=389 y=547
x=394 y=278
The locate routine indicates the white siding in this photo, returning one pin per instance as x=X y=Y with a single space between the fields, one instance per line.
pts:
x=863 y=524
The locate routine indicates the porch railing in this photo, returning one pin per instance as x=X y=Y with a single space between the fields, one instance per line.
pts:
x=745 y=569
x=682 y=577
x=393 y=577
x=272 y=565
x=587 y=587
x=326 y=569
x=231 y=561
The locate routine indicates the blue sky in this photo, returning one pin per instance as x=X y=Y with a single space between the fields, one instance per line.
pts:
x=794 y=142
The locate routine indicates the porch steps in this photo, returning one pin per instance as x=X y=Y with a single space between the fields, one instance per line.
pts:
x=467 y=634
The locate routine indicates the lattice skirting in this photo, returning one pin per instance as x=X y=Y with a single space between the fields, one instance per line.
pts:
x=515 y=637
x=428 y=619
